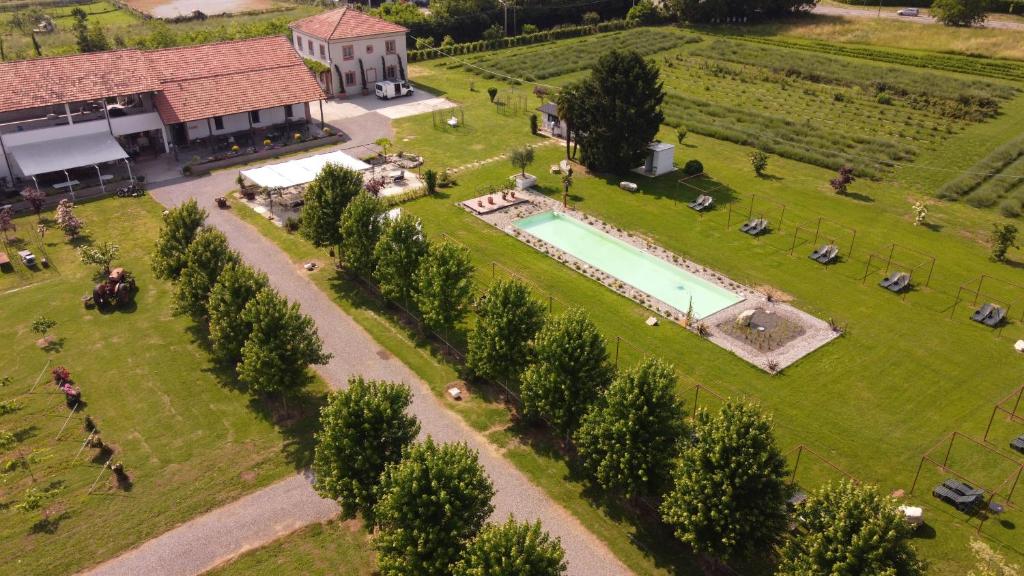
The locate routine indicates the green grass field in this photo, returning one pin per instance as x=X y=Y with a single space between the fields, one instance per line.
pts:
x=189 y=437
x=907 y=373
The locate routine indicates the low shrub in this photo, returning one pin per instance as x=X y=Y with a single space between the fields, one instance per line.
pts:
x=693 y=168
x=981 y=199
x=1010 y=207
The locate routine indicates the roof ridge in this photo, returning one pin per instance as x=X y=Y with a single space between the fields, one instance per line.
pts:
x=343 y=10
x=229 y=73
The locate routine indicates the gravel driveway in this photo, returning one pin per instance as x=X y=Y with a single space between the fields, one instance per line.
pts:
x=228 y=531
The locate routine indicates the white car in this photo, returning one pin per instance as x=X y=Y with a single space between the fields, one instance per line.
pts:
x=387 y=89
x=908 y=12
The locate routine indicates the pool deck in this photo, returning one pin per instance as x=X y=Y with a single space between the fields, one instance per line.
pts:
x=817 y=332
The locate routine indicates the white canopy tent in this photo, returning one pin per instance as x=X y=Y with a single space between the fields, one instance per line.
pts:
x=64 y=154
x=301 y=171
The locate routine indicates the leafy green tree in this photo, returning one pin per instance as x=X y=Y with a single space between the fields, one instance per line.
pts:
x=7 y=221
x=729 y=494
x=759 y=162
x=282 y=344
x=681 y=134
x=102 y=255
x=569 y=371
x=620 y=111
x=398 y=253
x=850 y=529
x=362 y=429
x=444 y=285
x=404 y=13
x=430 y=504
x=628 y=441
x=521 y=158
x=430 y=180
x=36 y=199
x=570 y=106
x=960 y=12
x=1004 y=237
x=181 y=224
x=43 y=324
x=512 y=549
x=508 y=317
x=643 y=13
x=360 y=229
x=591 y=18
x=205 y=260
x=324 y=201
x=235 y=287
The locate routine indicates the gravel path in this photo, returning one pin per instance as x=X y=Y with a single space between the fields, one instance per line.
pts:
x=264 y=516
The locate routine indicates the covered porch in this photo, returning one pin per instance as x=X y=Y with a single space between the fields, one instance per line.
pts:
x=72 y=163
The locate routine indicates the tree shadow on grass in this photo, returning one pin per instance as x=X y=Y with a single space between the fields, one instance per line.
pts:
x=678 y=187
x=49 y=524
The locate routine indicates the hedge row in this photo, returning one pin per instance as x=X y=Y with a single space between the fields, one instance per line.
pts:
x=557 y=33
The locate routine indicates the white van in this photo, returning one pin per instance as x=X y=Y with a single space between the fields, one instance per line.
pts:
x=388 y=89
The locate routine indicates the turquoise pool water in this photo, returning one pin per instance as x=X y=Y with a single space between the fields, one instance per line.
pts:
x=650 y=274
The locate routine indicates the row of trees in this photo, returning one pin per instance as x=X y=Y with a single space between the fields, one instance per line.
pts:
x=721 y=481
x=251 y=327
x=434 y=278
x=427 y=502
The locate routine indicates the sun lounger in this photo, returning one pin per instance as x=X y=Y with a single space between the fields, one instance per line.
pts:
x=830 y=254
x=708 y=201
x=962 y=496
x=819 y=252
x=996 y=317
x=888 y=280
x=982 y=313
x=1018 y=443
x=760 y=226
x=901 y=283
x=698 y=203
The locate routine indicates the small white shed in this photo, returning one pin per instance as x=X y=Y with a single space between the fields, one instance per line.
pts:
x=660 y=156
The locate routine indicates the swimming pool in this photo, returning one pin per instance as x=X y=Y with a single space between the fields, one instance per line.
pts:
x=645 y=272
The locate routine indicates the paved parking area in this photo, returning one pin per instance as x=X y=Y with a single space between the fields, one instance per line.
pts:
x=419 y=103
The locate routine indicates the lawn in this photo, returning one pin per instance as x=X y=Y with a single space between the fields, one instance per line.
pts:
x=320 y=549
x=189 y=437
x=907 y=373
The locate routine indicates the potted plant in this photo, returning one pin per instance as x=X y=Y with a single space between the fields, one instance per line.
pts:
x=521 y=158
x=267 y=143
x=297 y=137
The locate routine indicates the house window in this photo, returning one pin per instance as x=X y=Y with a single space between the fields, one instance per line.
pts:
x=310 y=44
x=350 y=78
x=254 y=116
x=298 y=43
x=347 y=52
x=218 y=122
x=288 y=111
x=369 y=48
x=389 y=47
x=390 y=73
x=323 y=51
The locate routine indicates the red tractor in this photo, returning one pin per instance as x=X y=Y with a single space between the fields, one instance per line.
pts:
x=117 y=290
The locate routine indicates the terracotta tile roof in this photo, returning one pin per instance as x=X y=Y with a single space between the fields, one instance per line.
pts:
x=49 y=81
x=199 y=82
x=345 y=23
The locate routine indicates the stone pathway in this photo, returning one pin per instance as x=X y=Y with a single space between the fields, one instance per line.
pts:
x=231 y=530
x=479 y=163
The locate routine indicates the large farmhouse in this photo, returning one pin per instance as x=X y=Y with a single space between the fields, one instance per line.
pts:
x=358 y=50
x=85 y=110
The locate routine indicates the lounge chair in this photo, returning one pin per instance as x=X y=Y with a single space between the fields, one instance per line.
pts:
x=829 y=255
x=888 y=280
x=982 y=313
x=708 y=201
x=698 y=203
x=819 y=252
x=996 y=317
x=760 y=226
x=901 y=283
x=1018 y=443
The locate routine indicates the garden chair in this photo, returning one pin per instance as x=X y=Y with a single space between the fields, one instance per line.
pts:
x=901 y=283
x=996 y=317
x=982 y=313
x=696 y=204
x=888 y=280
x=1018 y=443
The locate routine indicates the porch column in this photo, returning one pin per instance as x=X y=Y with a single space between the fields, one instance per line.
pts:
x=130 y=177
x=6 y=160
x=99 y=175
x=36 y=182
x=167 y=144
x=71 y=189
x=106 y=114
x=67 y=110
x=252 y=135
x=321 y=115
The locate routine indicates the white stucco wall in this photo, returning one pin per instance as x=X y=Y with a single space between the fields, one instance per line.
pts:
x=371 y=61
x=240 y=122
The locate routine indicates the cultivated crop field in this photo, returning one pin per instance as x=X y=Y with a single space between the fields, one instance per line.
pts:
x=826 y=110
